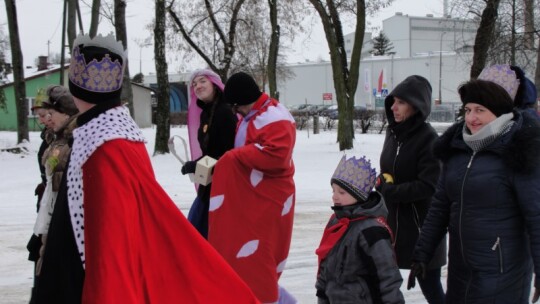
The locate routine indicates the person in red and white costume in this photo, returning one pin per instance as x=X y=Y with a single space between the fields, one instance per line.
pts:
x=120 y=228
x=253 y=192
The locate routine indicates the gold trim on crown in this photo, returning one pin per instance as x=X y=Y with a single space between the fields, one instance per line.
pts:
x=102 y=76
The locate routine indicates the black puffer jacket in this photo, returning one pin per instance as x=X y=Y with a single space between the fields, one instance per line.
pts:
x=490 y=204
x=408 y=156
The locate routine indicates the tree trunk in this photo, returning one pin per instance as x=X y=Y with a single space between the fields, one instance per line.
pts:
x=19 y=85
x=274 y=50
x=513 y=35
x=71 y=22
x=162 y=111
x=484 y=37
x=537 y=72
x=345 y=78
x=529 y=24
x=94 y=20
x=121 y=34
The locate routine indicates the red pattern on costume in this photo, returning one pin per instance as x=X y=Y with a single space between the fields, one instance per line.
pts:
x=139 y=247
x=252 y=201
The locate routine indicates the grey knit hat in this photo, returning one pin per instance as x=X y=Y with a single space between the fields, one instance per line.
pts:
x=60 y=99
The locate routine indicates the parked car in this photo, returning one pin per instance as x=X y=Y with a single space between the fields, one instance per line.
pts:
x=358 y=111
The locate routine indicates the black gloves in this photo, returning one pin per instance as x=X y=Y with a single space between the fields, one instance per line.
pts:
x=418 y=269
x=189 y=167
x=40 y=188
x=382 y=180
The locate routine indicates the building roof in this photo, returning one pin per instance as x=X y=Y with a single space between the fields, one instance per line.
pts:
x=32 y=73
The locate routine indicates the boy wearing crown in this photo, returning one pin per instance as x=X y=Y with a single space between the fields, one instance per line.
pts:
x=356 y=259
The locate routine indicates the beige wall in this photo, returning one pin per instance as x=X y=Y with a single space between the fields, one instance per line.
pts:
x=142 y=106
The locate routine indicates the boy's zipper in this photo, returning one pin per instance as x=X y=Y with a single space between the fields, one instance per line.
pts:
x=342 y=266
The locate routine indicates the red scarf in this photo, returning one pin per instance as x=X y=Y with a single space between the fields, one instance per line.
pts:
x=333 y=234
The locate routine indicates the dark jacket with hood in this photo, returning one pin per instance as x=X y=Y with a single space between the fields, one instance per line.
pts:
x=407 y=155
x=361 y=268
x=490 y=204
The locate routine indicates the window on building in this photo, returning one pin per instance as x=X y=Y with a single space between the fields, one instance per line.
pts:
x=31 y=102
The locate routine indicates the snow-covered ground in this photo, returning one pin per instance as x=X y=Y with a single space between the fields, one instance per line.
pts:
x=315 y=156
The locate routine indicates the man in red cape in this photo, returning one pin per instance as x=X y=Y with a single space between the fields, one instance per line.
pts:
x=253 y=194
x=117 y=237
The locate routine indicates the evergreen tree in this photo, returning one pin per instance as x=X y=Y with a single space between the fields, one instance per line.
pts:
x=138 y=78
x=381 y=45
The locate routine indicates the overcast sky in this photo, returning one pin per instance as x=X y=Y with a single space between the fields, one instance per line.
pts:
x=40 y=27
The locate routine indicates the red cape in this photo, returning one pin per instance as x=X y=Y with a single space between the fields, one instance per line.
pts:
x=139 y=247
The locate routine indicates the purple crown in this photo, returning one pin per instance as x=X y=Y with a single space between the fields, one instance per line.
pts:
x=502 y=75
x=356 y=175
x=101 y=76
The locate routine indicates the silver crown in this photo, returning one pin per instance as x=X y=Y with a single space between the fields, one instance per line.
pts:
x=357 y=174
x=502 y=75
x=103 y=75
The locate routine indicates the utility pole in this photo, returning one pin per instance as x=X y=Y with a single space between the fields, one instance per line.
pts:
x=440 y=68
x=63 y=48
x=140 y=55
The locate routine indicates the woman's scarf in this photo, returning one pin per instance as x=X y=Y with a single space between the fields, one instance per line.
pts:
x=487 y=134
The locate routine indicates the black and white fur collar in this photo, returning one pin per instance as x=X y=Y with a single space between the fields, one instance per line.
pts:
x=115 y=123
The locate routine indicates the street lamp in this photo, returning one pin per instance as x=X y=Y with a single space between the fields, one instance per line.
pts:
x=141 y=46
x=440 y=68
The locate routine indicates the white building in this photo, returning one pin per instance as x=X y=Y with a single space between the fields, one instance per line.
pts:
x=417 y=35
x=439 y=49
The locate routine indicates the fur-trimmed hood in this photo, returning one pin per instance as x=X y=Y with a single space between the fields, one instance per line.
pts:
x=520 y=147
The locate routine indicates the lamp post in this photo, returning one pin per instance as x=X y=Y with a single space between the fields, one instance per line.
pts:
x=141 y=46
x=440 y=67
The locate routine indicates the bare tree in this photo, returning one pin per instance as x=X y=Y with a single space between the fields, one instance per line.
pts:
x=484 y=36
x=345 y=76
x=512 y=41
x=220 y=53
x=4 y=67
x=274 y=49
x=537 y=71
x=71 y=21
x=121 y=34
x=529 y=23
x=504 y=34
x=162 y=114
x=94 y=20
x=233 y=36
x=19 y=84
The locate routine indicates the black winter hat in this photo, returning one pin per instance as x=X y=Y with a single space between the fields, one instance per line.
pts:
x=526 y=93
x=487 y=93
x=416 y=91
x=60 y=100
x=241 y=89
